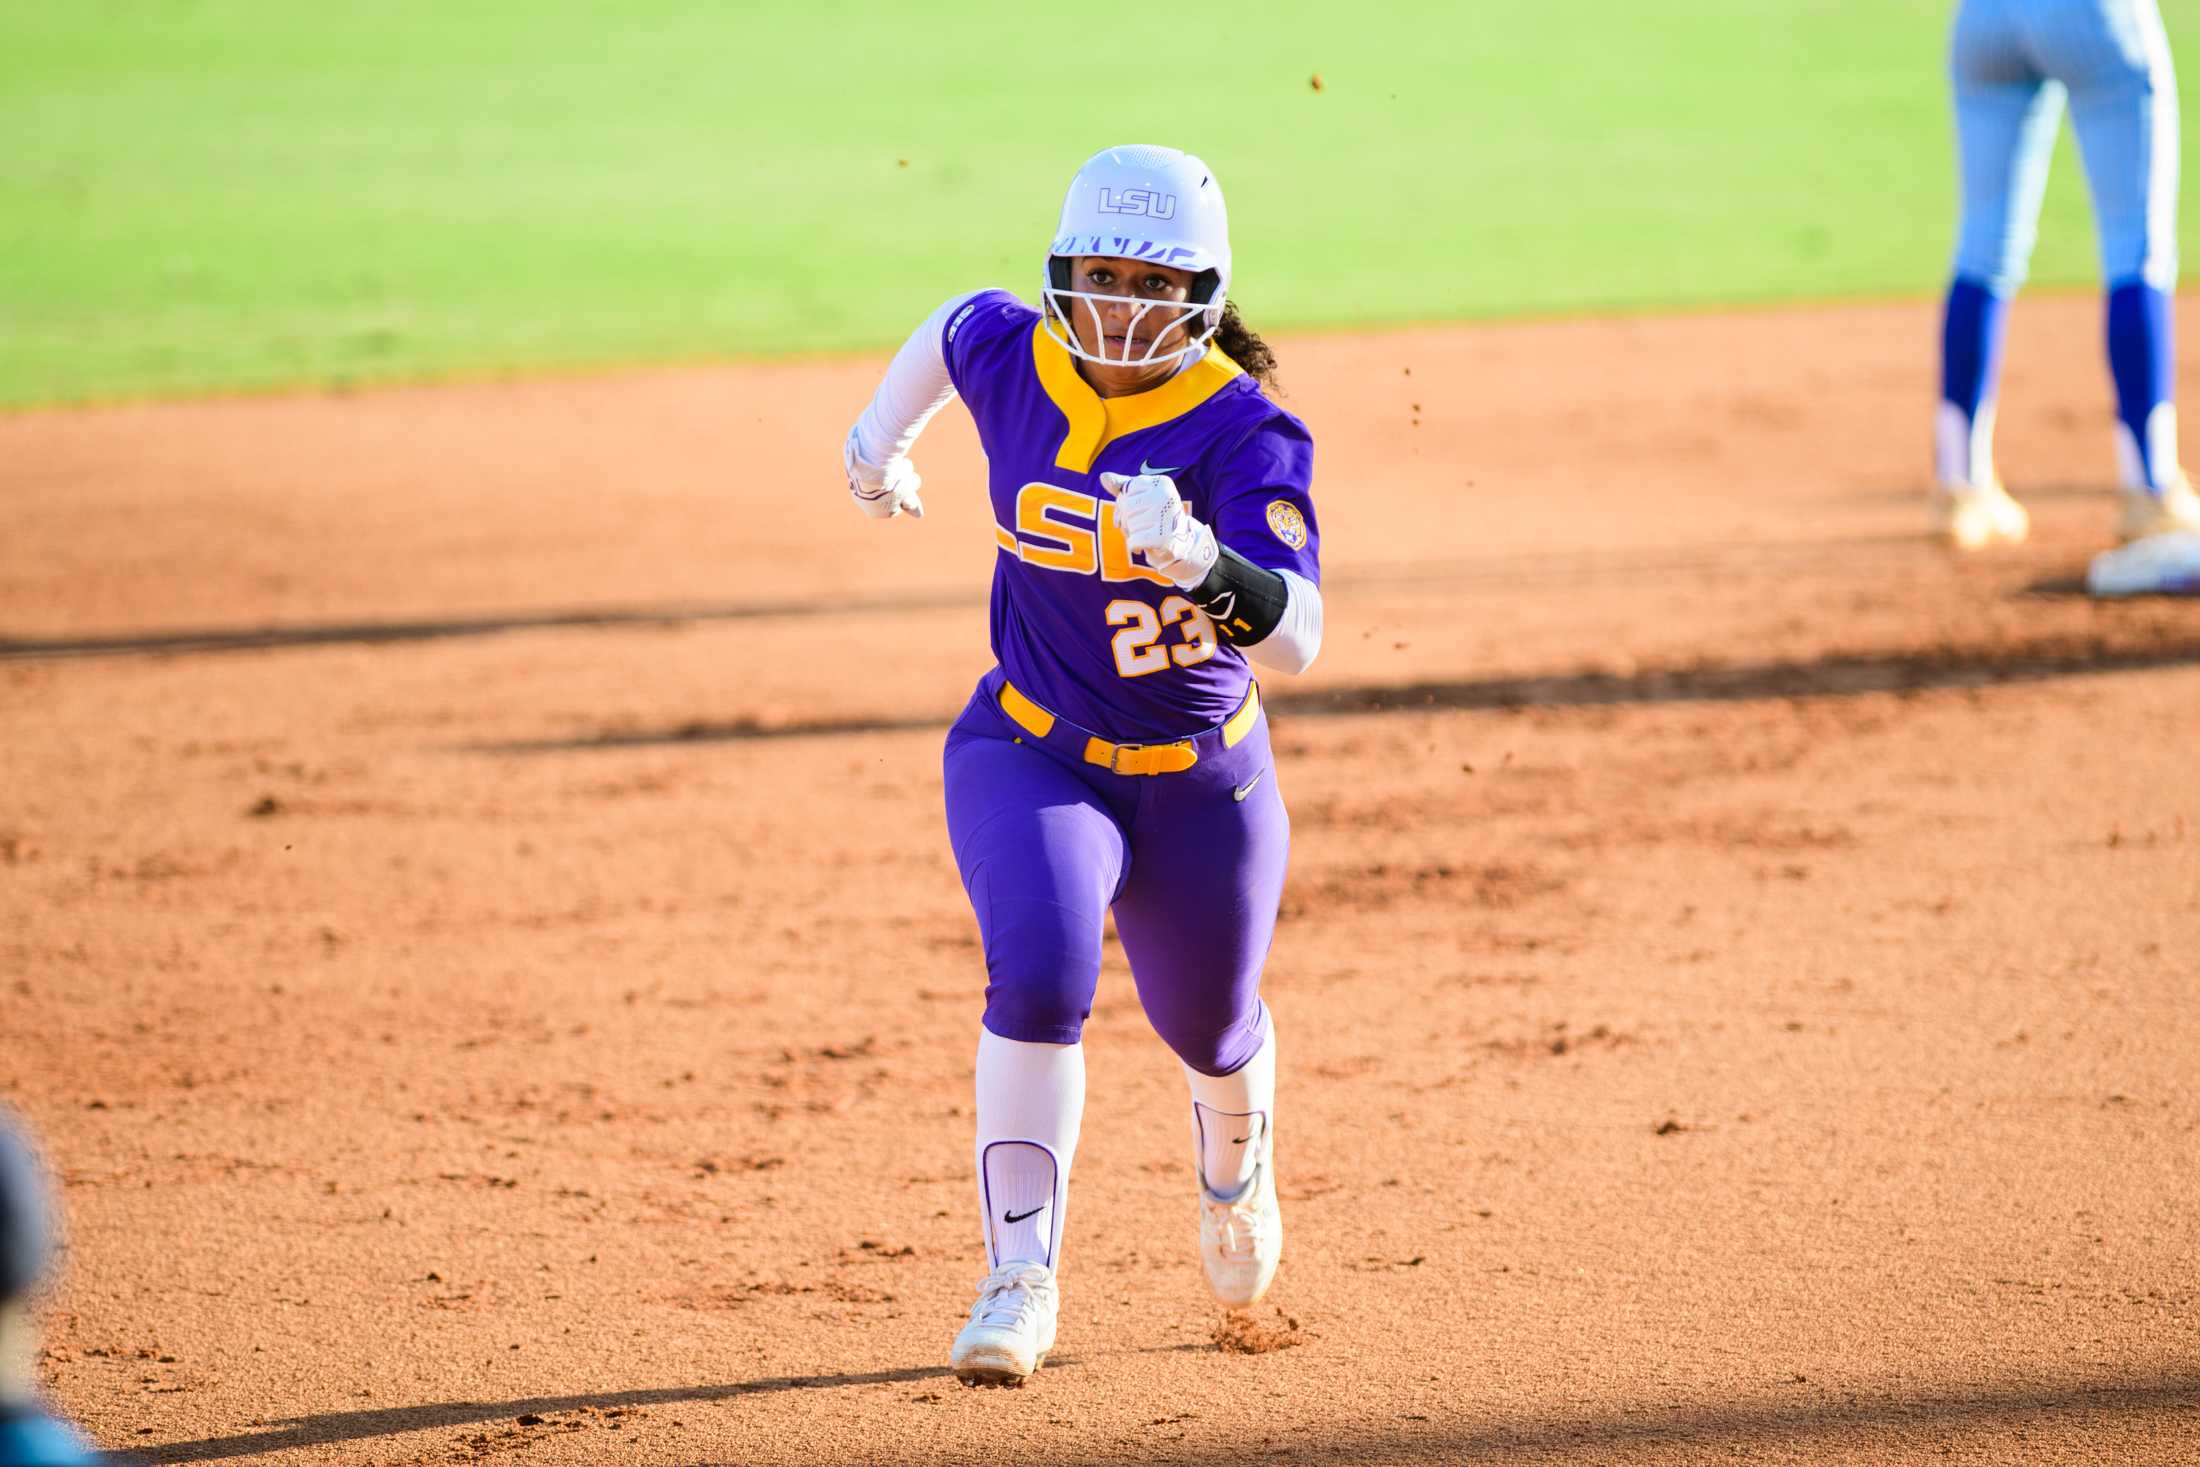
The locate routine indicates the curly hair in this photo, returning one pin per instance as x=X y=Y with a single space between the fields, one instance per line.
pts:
x=1244 y=346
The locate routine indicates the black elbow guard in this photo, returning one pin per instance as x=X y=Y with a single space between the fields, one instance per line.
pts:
x=1244 y=601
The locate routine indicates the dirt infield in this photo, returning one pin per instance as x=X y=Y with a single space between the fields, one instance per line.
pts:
x=478 y=940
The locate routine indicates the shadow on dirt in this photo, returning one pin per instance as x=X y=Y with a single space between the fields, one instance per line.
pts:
x=349 y=1426
x=2051 y=1417
x=377 y=633
x=2050 y=1414
x=1839 y=676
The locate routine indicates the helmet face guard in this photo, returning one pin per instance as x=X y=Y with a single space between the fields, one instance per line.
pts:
x=1191 y=322
x=1151 y=205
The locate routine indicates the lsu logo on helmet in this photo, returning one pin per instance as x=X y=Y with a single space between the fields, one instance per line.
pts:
x=1287 y=523
x=1138 y=201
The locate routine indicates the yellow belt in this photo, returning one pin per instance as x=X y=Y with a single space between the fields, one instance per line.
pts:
x=1131 y=758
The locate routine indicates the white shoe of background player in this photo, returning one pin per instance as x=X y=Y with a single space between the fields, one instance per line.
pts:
x=2172 y=507
x=1011 y=1326
x=1241 y=1239
x=1972 y=516
x=2166 y=563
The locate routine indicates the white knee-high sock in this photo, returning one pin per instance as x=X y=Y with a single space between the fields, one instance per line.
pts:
x=1031 y=1100
x=1963 y=445
x=1232 y=1117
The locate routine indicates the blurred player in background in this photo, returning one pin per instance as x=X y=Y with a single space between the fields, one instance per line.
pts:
x=30 y=1436
x=1155 y=526
x=2014 y=64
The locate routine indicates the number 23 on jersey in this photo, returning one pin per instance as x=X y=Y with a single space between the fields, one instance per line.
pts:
x=1138 y=647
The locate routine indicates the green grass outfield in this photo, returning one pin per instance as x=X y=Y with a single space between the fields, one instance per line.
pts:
x=212 y=194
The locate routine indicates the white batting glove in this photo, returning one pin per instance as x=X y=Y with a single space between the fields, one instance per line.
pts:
x=1156 y=525
x=885 y=492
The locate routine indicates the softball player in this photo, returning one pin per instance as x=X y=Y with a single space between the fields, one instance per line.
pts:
x=1155 y=527
x=2014 y=63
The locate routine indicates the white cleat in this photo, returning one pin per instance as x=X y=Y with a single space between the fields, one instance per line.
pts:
x=1973 y=516
x=1241 y=1240
x=2166 y=563
x=2170 y=509
x=1011 y=1326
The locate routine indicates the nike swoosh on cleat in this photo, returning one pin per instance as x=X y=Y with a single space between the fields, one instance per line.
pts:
x=1017 y=1217
x=1246 y=788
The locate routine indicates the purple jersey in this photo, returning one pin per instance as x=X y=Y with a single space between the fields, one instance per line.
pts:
x=1079 y=625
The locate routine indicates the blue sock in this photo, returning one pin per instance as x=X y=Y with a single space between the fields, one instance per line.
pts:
x=2141 y=360
x=1971 y=330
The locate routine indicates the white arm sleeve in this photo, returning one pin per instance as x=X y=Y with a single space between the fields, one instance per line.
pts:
x=916 y=387
x=1291 y=647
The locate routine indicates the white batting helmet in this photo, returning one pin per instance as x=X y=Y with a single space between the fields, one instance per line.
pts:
x=1142 y=202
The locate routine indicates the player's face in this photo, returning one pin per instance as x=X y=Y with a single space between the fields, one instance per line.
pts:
x=1115 y=328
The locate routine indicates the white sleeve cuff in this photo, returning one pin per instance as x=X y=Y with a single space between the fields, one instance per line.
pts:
x=1292 y=646
x=916 y=386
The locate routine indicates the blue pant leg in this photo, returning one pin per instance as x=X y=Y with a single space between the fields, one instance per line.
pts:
x=1040 y=856
x=2006 y=115
x=2113 y=56
x=30 y=1436
x=1199 y=910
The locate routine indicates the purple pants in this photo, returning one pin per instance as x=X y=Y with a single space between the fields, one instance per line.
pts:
x=1192 y=863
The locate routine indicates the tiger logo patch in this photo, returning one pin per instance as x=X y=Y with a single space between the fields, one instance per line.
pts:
x=1289 y=525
